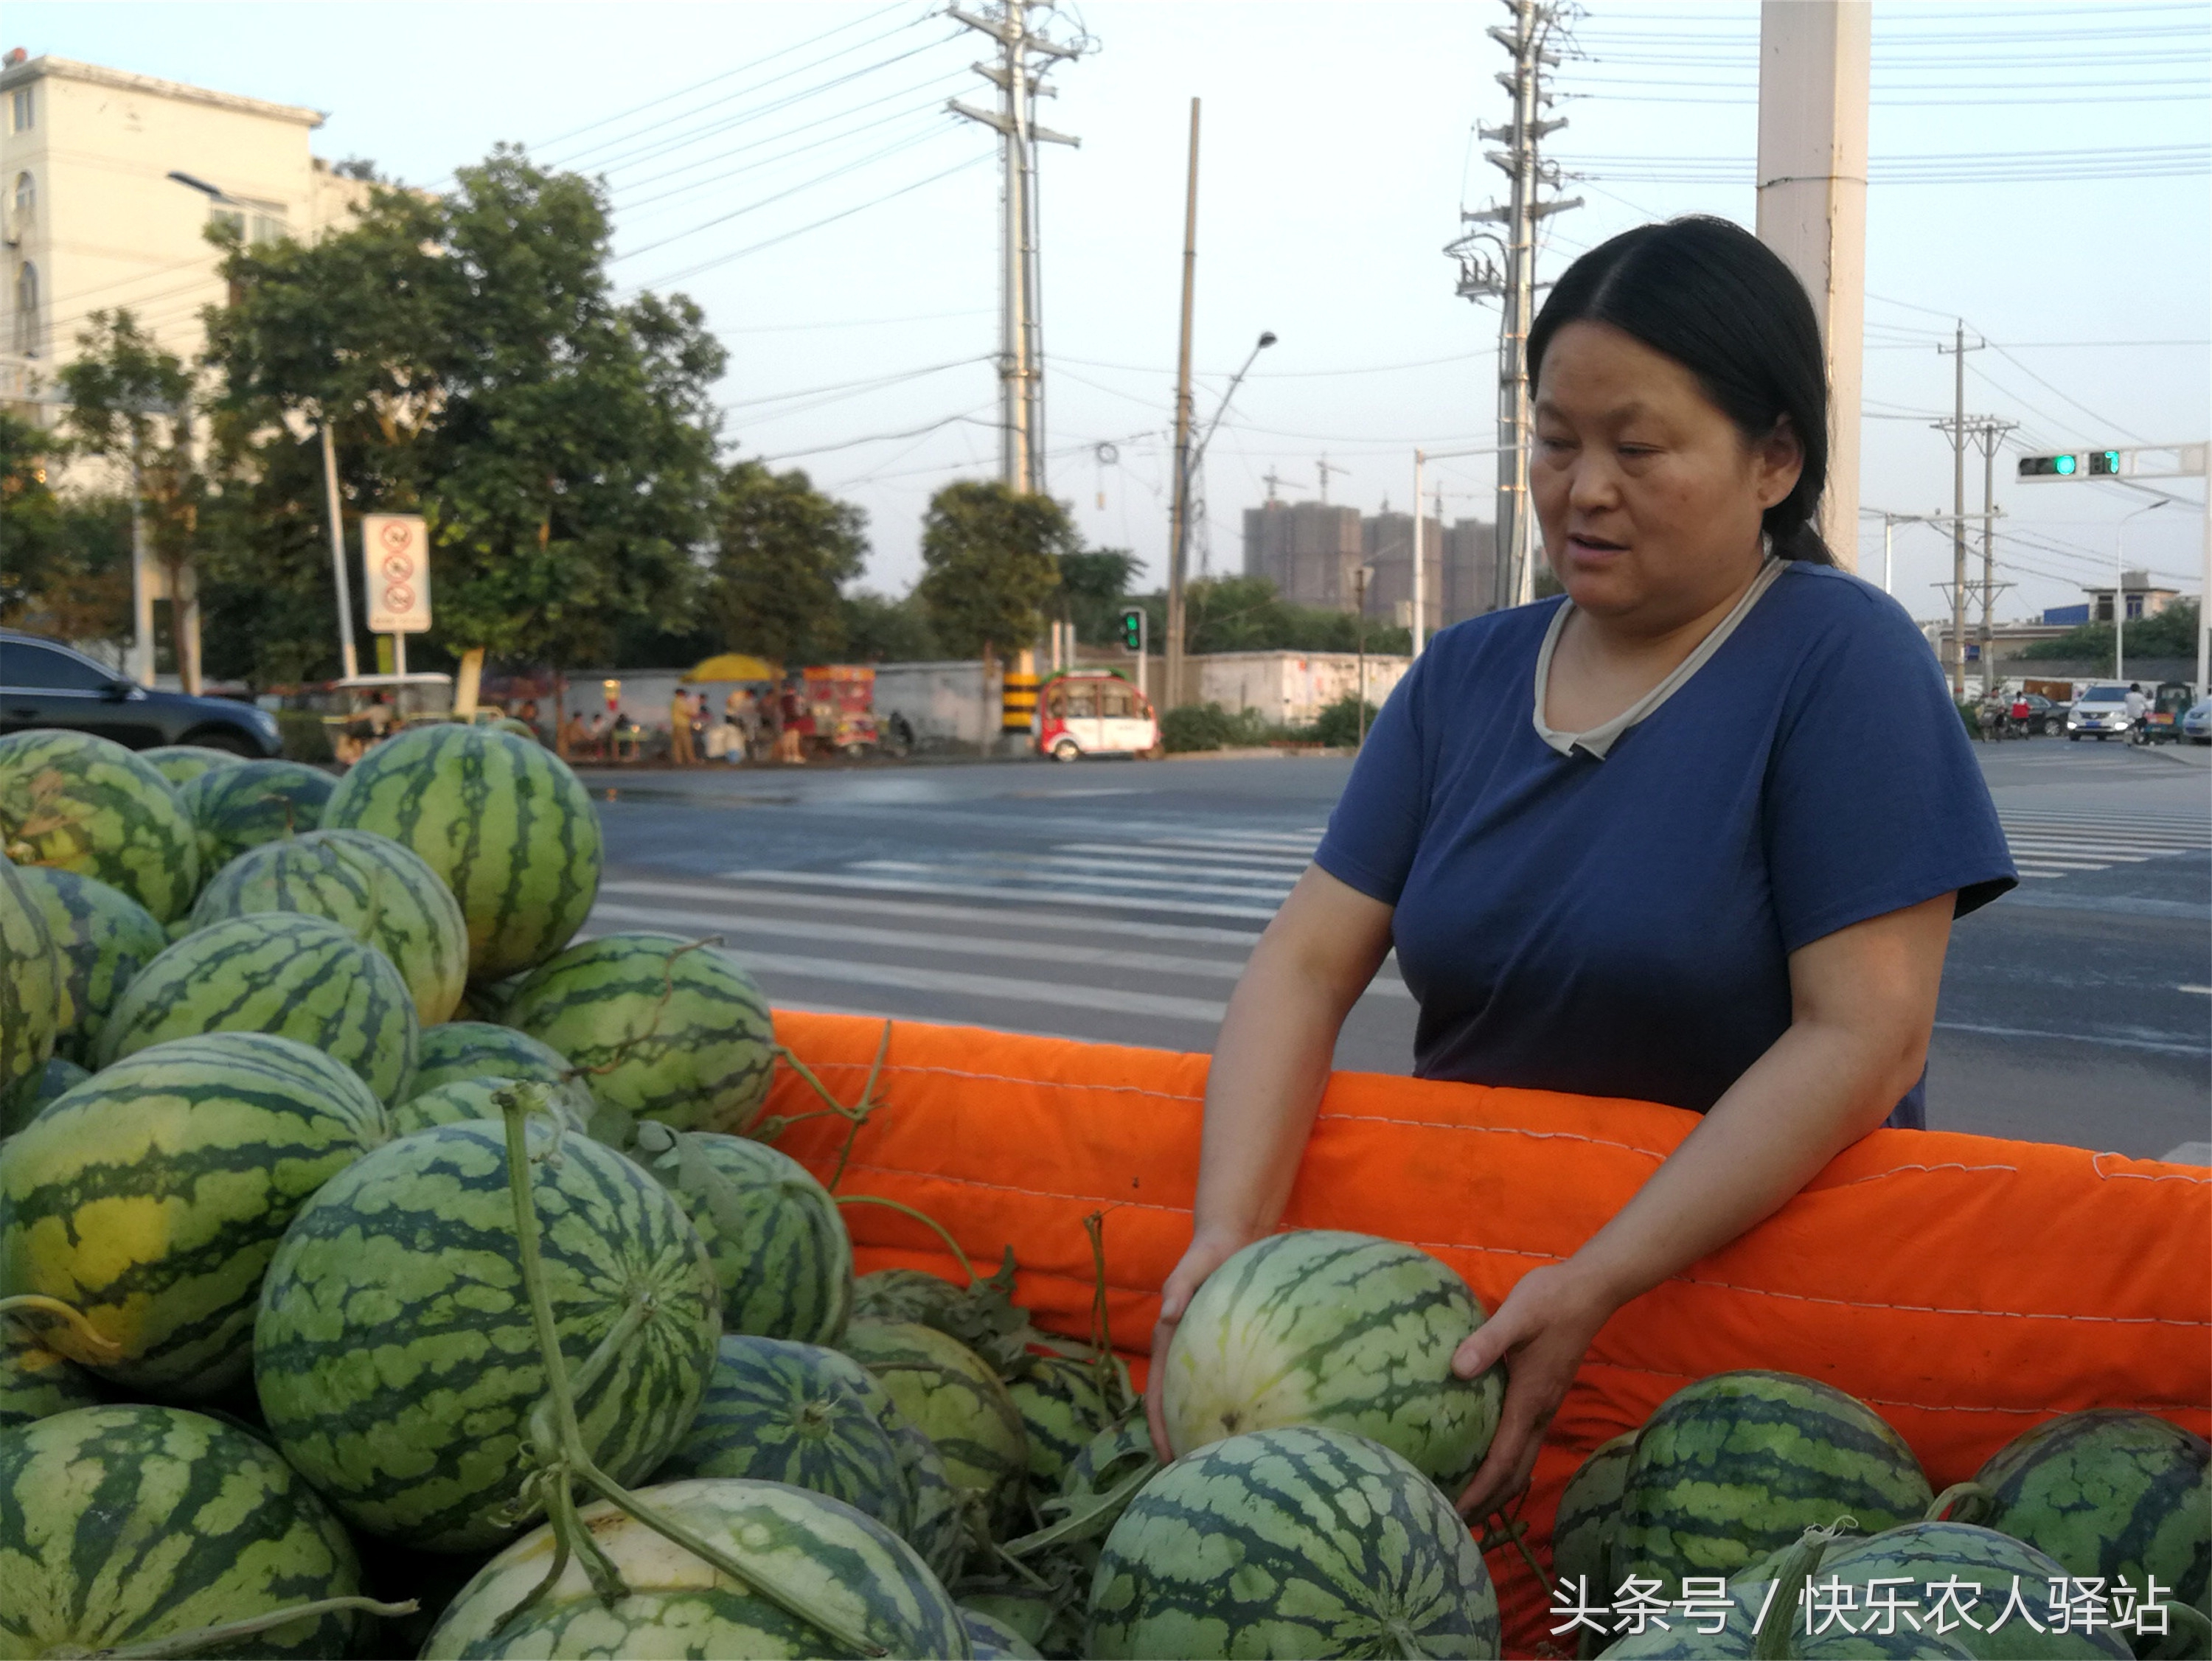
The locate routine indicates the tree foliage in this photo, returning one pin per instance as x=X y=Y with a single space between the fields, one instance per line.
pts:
x=782 y=552
x=2171 y=634
x=1245 y=614
x=64 y=564
x=881 y=630
x=990 y=562
x=1094 y=589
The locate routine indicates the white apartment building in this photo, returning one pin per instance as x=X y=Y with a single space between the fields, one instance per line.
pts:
x=111 y=181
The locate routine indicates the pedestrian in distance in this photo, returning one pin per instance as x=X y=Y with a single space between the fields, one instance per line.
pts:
x=679 y=729
x=1705 y=849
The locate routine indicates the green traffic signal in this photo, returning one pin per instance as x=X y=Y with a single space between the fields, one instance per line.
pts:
x=2105 y=463
x=2062 y=464
x=1133 y=629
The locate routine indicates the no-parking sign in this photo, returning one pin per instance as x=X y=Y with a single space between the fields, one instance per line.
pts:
x=395 y=557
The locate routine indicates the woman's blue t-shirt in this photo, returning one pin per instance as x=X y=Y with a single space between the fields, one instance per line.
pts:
x=1622 y=927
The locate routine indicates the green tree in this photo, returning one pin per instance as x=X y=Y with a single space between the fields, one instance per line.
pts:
x=783 y=552
x=2171 y=634
x=1245 y=614
x=881 y=630
x=990 y=562
x=1094 y=590
x=131 y=404
x=64 y=564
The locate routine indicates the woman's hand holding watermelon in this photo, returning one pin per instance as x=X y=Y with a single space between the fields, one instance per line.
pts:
x=1207 y=1252
x=1540 y=1332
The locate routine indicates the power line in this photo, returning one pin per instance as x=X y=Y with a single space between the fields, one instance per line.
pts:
x=892 y=379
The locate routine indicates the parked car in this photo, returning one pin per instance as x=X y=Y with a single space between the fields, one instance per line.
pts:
x=2101 y=713
x=44 y=683
x=2042 y=715
x=2196 y=722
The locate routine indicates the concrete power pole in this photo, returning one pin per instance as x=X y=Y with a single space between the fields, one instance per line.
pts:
x=1179 y=508
x=1956 y=430
x=1813 y=72
x=1021 y=346
x=1502 y=264
x=1988 y=432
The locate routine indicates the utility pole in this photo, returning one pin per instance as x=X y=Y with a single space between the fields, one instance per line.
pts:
x=1021 y=346
x=1180 y=508
x=1502 y=264
x=1988 y=432
x=1955 y=429
x=347 y=660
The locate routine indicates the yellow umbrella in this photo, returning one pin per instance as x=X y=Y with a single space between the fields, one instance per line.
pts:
x=734 y=666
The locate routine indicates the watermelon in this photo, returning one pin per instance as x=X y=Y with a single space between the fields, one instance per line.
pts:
x=236 y=809
x=780 y=1248
x=1107 y=1457
x=152 y=1196
x=35 y=1382
x=377 y=891
x=33 y=1006
x=903 y=1294
x=274 y=972
x=82 y=803
x=1684 y=1639
x=467 y=1098
x=182 y=763
x=502 y=819
x=817 y=1547
x=948 y=1393
x=122 y=1525
x=1326 y=1328
x=1589 y=1516
x=486 y=1000
x=782 y=1412
x=409 y=1256
x=455 y=1050
x=2110 y=1493
x=1740 y=1464
x=941 y=1530
x=990 y=1638
x=1923 y=1555
x=1305 y=1541
x=30 y=1097
x=1062 y=1409
x=105 y=938
x=662 y=1027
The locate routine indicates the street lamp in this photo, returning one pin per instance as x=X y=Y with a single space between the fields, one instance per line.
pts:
x=2120 y=584
x=1198 y=453
x=1189 y=461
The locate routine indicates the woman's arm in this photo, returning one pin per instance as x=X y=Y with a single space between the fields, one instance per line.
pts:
x=1270 y=1064
x=1864 y=1005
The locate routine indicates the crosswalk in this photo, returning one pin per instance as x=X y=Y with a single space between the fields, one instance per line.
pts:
x=2055 y=842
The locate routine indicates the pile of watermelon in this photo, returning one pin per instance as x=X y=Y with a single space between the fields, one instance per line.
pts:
x=290 y=1341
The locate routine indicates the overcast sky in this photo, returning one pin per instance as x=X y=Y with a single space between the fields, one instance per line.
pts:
x=2039 y=171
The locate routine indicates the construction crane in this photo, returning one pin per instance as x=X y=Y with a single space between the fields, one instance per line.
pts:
x=1275 y=481
x=1325 y=467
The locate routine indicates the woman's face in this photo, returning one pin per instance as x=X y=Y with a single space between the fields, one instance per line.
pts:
x=1648 y=496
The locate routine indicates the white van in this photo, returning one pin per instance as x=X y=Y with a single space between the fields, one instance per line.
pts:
x=1094 y=712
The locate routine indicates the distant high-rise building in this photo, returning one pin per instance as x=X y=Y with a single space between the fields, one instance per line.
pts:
x=1470 y=570
x=1307 y=549
x=1387 y=539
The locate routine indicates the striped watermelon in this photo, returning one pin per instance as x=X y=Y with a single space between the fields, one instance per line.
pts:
x=235 y=808
x=122 y=1525
x=29 y=1096
x=904 y=1294
x=1923 y=1555
x=779 y=1245
x=990 y=1638
x=182 y=763
x=1740 y=1464
x=941 y=1531
x=782 y=1412
x=663 y=1027
x=1298 y=1541
x=948 y=1393
x=82 y=803
x=35 y=1382
x=502 y=820
x=274 y=972
x=846 y=1563
x=1347 y=1331
x=1063 y=1409
x=483 y=1049
x=409 y=1256
x=1747 y=1607
x=377 y=891
x=2109 y=1493
x=468 y=1098
x=32 y=983
x=1589 y=1516
x=1037 y=1617
x=152 y=1196
x=486 y=1000
x=105 y=938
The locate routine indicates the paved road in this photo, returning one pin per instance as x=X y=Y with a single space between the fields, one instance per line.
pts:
x=1118 y=900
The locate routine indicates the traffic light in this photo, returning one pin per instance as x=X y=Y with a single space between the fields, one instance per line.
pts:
x=2063 y=466
x=1133 y=629
x=2105 y=463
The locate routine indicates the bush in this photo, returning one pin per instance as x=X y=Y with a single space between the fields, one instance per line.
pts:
x=304 y=737
x=1339 y=725
x=1208 y=726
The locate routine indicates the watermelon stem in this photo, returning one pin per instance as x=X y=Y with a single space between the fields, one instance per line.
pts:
x=950 y=1244
x=766 y=1130
x=201 y=1638
x=1972 y=1500
x=570 y=1459
x=104 y=1347
x=1775 y=1638
x=1508 y=1529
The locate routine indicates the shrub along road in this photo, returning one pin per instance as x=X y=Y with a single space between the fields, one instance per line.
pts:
x=1117 y=901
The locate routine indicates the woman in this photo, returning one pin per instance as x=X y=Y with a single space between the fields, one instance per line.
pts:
x=1692 y=833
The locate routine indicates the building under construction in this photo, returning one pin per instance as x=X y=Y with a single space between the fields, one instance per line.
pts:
x=1312 y=552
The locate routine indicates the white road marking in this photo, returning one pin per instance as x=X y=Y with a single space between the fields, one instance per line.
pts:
x=1001 y=891
x=790 y=898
